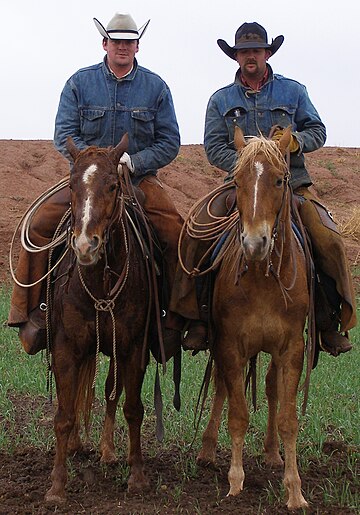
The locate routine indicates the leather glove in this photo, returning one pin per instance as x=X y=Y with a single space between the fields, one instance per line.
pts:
x=294 y=145
x=125 y=159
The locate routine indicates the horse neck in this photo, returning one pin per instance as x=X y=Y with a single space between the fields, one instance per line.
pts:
x=285 y=236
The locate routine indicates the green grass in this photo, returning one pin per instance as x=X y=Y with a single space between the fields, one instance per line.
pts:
x=333 y=413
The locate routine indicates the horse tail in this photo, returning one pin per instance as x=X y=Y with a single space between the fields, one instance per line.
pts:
x=86 y=392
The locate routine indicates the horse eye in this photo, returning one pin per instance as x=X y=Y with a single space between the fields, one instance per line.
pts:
x=112 y=187
x=279 y=182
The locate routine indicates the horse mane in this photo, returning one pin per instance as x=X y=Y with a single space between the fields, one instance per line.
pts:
x=255 y=146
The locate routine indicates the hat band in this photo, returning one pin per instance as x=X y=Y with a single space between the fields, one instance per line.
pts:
x=247 y=38
x=122 y=31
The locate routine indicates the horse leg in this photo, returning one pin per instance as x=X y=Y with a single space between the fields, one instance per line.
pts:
x=238 y=420
x=83 y=404
x=107 y=447
x=134 y=412
x=271 y=444
x=289 y=372
x=75 y=443
x=66 y=377
x=207 y=452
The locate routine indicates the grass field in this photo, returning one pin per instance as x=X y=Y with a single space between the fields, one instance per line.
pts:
x=333 y=411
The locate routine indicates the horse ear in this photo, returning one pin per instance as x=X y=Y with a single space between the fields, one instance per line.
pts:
x=120 y=148
x=72 y=148
x=285 y=140
x=239 y=140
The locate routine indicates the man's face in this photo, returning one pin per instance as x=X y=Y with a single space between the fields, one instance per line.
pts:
x=252 y=61
x=120 y=52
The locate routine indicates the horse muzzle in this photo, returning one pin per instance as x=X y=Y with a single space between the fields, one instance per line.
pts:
x=255 y=248
x=87 y=250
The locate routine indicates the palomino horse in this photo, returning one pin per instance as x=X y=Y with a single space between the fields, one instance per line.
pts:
x=260 y=303
x=100 y=304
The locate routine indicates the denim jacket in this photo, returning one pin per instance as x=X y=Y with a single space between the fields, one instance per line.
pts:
x=96 y=108
x=281 y=102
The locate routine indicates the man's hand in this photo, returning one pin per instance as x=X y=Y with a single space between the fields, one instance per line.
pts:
x=294 y=145
x=125 y=159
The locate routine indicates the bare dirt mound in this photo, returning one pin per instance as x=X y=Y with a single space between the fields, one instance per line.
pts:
x=27 y=168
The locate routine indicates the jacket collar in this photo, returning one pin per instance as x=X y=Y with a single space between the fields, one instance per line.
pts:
x=111 y=75
x=268 y=77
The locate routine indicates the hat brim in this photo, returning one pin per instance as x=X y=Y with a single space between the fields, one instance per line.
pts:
x=118 y=34
x=230 y=51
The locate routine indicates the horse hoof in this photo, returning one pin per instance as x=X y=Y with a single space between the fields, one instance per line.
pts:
x=54 y=498
x=274 y=462
x=297 y=505
x=233 y=492
x=109 y=458
x=204 y=462
x=138 y=485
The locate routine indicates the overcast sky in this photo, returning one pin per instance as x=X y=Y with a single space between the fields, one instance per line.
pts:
x=43 y=42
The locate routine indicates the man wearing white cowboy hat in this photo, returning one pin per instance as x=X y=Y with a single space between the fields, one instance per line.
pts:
x=98 y=105
x=258 y=101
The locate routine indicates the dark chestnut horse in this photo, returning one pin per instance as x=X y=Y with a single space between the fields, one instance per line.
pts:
x=260 y=303
x=100 y=304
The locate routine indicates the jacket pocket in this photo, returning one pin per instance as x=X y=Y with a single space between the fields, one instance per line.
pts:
x=143 y=122
x=91 y=120
x=282 y=116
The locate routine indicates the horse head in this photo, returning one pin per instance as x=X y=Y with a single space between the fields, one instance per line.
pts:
x=94 y=185
x=260 y=176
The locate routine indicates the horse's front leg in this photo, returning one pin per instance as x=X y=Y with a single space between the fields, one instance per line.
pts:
x=66 y=377
x=207 y=452
x=134 y=413
x=107 y=447
x=289 y=372
x=238 y=420
x=271 y=444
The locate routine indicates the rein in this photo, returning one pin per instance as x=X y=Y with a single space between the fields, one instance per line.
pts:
x=108 y=305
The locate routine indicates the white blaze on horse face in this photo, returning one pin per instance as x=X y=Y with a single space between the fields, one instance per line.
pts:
x=88 y=174
x=259 y=169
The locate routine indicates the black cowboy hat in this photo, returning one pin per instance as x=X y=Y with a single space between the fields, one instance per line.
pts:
x=250 y=35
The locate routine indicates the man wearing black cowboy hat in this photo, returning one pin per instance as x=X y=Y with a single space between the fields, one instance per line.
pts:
x=258 y=101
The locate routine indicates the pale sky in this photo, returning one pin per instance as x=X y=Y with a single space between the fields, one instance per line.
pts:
x=43 y=42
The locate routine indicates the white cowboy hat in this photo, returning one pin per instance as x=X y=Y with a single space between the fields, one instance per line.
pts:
x=121 y=26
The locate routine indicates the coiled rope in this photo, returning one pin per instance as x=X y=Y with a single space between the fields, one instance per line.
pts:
x=26 y=242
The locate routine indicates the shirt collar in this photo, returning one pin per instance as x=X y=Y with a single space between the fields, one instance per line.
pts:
x=113 y=74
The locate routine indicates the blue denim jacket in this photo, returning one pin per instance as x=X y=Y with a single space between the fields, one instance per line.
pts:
x=96 y=108
x=281 y=102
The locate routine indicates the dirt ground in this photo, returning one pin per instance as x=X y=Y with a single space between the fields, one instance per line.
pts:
x=27 y=168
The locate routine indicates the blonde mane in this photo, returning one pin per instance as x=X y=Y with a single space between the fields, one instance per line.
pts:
x=259 y=145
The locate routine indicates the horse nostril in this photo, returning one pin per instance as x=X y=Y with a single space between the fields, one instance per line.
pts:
x=95 y=242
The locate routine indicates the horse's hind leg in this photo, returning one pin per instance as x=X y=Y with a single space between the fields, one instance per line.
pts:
x=289 y=372
x=83 y=403
x=134 y=413
x=207 y=452
x=66 y=376
x=271 y=444
x=107 y=447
